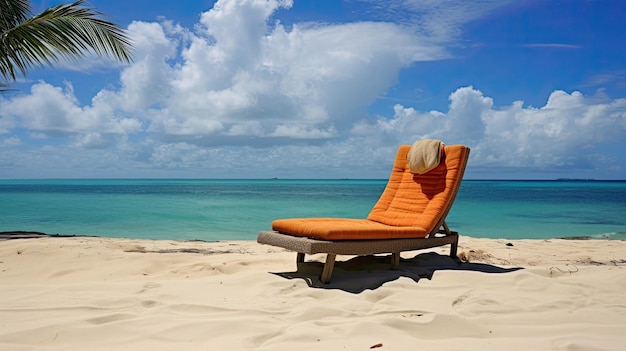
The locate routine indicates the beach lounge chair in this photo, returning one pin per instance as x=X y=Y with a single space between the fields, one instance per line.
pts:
x=409 y=215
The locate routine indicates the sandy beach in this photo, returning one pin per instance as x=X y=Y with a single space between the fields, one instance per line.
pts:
x=92 y=293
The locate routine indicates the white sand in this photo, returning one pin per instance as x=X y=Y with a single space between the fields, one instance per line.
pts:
x=116 y=294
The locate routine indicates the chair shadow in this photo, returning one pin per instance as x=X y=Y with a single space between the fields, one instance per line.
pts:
x=371 y=272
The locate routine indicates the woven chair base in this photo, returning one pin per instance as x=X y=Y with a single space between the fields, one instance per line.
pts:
x=304 y=246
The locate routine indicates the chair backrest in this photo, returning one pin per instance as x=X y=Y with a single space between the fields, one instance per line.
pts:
x=421 y=200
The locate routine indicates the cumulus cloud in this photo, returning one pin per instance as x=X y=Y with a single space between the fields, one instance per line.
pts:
x=567 y=132
x=238 y=73
x=241 y=95
x=241 y=74
x=52 y=110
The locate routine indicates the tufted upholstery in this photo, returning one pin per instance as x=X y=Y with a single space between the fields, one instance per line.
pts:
x=412 y=206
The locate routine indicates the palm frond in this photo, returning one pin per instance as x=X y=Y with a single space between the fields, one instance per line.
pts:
x=64 y=32
x=13 y=12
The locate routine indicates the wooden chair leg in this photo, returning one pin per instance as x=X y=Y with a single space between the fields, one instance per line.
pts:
x=395 y=260
x=453 y=249
x=328 y=268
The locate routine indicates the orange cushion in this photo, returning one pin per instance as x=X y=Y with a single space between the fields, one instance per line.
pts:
x=411 y=206
x=419 y=200
x=344 y=229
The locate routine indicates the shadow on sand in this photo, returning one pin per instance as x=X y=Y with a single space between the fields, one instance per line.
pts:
x=370 y=272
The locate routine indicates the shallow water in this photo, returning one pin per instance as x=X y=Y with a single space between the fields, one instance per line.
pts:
x=238 y=209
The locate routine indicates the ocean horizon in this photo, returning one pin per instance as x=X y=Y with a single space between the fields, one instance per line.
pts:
x=237 y=209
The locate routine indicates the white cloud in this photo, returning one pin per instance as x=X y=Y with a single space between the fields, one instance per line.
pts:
x=92 y=141
x=7 y=123
x=50 y=110
x=11 y=141
x=237 y=73
x=301 y=132
x=234 y=71
x=242 y=96
x=566 y=132
x=439 y=20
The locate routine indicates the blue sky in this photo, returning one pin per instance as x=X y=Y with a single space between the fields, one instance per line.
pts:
x=329 y=89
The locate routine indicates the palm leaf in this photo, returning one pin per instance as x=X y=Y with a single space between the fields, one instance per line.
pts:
x=13 y=12
x=64 y=32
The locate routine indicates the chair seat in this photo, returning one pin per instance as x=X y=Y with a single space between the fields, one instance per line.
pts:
x=345 y=229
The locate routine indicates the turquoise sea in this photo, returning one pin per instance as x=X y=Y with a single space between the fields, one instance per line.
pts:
x=238 y=209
